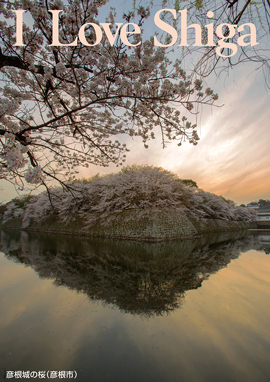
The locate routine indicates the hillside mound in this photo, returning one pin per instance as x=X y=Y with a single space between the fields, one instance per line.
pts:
x=135 y=193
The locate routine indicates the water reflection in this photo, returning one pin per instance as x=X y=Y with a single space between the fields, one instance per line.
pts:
x=147 y=279
x=264 y=239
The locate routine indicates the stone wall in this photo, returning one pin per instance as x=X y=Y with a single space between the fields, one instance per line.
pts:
x=130 y=224
x=165 y=225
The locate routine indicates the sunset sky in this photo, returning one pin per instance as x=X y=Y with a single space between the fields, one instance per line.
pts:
x=232 y=157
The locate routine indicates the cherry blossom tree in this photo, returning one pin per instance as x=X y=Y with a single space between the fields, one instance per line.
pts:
x=141 y=189
x=72 y=105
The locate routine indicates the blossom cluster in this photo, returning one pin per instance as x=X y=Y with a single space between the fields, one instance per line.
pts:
x=12 y=153
x=34 y=175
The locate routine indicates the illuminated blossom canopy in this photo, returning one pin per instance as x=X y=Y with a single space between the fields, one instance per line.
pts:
x=141 y=189
x=69 y=106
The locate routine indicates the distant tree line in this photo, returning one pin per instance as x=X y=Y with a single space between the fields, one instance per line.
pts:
x=262 y=203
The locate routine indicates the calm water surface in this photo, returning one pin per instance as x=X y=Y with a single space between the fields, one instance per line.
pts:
x=120 y=311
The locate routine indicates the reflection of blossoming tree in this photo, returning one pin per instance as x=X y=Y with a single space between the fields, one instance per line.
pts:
x=140 y=278
x=62 y=107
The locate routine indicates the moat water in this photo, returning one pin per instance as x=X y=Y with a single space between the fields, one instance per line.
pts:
x=122 y=311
